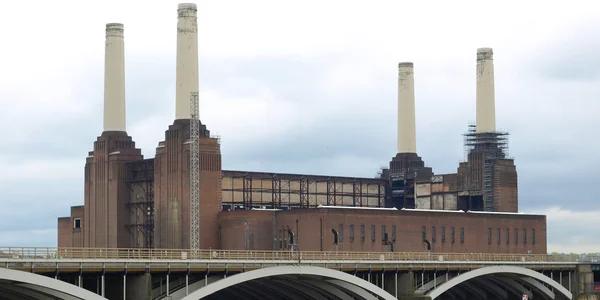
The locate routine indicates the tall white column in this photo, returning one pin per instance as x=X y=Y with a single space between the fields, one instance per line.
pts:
x=187 y=58
x=114 y=79
x=407 y=134
x=486 y=110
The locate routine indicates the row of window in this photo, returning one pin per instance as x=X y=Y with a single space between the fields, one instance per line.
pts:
x=386 y=238
x=384 y=233
x=507 y=236
x=443 y=237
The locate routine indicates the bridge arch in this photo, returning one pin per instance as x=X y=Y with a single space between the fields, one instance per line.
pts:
x=33 y=286
x=297 y=282
x=530 y=277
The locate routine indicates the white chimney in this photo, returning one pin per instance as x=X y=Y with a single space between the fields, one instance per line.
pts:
x=407 y=141
x=114 y=79
x=486 y=111
x=187 y=58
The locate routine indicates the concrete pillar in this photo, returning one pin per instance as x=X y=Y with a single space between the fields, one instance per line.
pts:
x=114 y=78
x=584 y=283
x=407 y=141
x=139 y=286
x=187 y=59
x=486 y=107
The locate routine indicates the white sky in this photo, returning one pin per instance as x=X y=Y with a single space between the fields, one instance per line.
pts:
x=269 y=68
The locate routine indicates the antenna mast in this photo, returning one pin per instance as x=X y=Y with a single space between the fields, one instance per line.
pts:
x=194 y=173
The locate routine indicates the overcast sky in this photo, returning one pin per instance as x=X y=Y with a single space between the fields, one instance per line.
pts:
x=308 y=87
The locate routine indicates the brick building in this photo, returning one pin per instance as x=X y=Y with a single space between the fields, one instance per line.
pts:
x=133 y=202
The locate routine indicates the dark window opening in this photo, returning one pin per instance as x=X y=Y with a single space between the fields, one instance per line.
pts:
x=443 y=234
x=77 y=223
x=372 y=233
x=352 y=232
x=498 y=236
x=362 y=232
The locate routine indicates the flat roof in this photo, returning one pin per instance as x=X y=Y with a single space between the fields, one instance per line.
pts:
x=290 y=176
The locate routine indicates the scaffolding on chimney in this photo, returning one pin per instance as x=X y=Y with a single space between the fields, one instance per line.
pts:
x=493 y=146
x=194 y=173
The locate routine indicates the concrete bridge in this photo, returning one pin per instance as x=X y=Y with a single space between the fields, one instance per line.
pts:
x=216 y=274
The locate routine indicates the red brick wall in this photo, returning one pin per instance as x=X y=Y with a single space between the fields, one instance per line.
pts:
x=172 y=191
x=77 y=233
x=65 y=237
x=505 y=186
x=106 y=192
x=314 y=230
x=247 y=229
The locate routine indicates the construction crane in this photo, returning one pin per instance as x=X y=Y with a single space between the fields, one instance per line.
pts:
x=194 y=173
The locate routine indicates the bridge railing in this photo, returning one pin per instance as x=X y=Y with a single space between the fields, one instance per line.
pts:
x=252 y=255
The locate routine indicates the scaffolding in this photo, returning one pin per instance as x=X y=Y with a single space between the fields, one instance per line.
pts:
x=140 y=181
x=194 y=173
x=487 y=142
x=492 y=146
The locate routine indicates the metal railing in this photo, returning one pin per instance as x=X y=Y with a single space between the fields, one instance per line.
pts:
x=19 y=253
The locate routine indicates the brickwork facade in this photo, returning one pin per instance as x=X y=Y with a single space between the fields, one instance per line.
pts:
x=70 y=229
x=363 y=230
x=172 y=190
x=106 y=192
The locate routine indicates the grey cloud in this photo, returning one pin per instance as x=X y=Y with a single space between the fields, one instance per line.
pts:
x=353 y=140
x=570 y=56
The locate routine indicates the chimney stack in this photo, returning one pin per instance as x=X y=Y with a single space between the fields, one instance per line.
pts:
x=187 y=58
x=486 y=111
x=114 y=79
x=406 y=109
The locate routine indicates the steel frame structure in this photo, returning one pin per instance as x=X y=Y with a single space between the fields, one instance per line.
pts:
x=141 y=174
x=281 y=190
x=493 y=146
x=194 y=173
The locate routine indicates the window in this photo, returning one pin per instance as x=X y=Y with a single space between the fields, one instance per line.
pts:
x=462 y=235
x=352 y=232
x=507 y=236
x=424 y=233
x=533 y=236
x=516 y=236
x=433 y=234
x=372 y=233
x=77 y=223
x=362 y=233
x=498 y=236
x=489 y=235
x=443 y=234
x=383 y=232
x=393 y=233
x=452 y=235
x=524 y=236
x=341 y=233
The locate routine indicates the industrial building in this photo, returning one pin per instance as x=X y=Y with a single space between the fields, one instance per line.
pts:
x=182 y=199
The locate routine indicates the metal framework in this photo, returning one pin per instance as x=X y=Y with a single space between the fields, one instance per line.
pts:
x=493 y=146
x=194 y=173
x=140 y=177
x=305 y=187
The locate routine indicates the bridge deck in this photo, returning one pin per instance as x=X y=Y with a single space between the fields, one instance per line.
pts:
x=91 y=260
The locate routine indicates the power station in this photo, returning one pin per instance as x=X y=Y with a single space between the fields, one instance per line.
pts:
x=182 y=199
